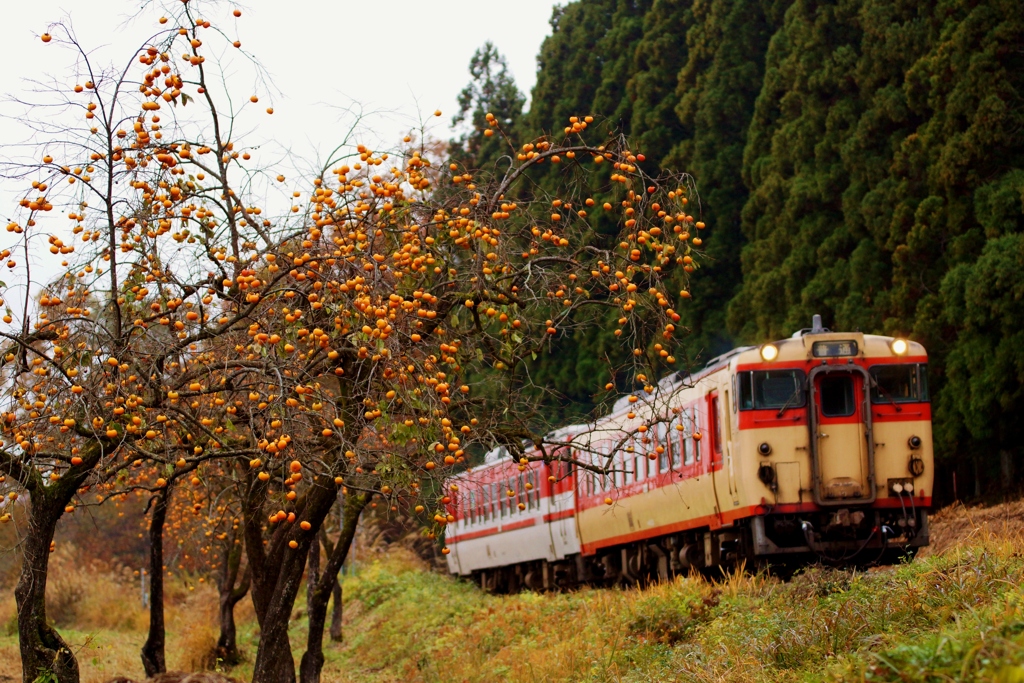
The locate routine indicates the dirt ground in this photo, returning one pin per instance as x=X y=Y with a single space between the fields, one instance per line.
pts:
x=958 y=524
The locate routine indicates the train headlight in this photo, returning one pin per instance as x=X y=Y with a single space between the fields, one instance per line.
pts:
x=914 y=442
x=765 y=449
x=769 y=352
x=900 y=346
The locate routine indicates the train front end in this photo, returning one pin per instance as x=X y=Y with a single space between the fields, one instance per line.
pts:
x=835 y=438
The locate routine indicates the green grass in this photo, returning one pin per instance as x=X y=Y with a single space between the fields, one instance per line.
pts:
x=957 y=616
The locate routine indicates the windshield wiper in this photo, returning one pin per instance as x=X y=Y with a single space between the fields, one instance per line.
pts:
x=789 y=400
x=889 y=396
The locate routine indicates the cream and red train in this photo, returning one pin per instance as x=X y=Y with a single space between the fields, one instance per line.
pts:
x=817 y=447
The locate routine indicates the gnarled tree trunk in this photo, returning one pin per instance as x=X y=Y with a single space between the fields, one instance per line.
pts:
x=277 y=570
x=336 y=615
x=42 y=648
x=153 y=657
x=313 y=659
x=230 y=595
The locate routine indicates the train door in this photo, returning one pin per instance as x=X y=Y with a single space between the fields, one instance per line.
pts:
x=725 y=415
x=562 y=509
x=718 y=478
x=843 y=458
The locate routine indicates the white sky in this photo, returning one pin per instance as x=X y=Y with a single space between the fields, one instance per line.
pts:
x=397 y=60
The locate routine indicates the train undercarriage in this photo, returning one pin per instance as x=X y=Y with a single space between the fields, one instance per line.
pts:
x=779 y=542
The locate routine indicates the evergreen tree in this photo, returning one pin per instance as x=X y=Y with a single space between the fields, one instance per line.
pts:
x=492 y=90
x=862 y=159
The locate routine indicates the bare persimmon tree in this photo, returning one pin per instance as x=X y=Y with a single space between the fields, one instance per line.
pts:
x=351 y=349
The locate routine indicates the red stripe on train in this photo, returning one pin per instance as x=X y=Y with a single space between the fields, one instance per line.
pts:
x=728 y=518
x=469 y=536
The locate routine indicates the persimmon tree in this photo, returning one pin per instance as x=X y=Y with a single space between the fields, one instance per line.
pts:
x=353 y=348
x=113 y=369
x=405 y=282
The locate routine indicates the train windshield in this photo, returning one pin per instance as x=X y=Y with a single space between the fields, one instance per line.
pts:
x=771 y=389
x=904 y=383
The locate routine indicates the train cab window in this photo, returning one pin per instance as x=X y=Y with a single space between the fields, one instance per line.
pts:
x=771 y=389
x=904 y=383
x=837 y=396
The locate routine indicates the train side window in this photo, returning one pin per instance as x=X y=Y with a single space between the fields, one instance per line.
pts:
x=745 y=390
x=688 y=442
x=696 y=444
x=639 y=467
x=677 y=437
x=664 y=443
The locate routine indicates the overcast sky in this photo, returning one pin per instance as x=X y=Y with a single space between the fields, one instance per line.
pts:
x=397 y=61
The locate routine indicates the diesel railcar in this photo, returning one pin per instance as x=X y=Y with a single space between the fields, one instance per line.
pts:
x=812 y=448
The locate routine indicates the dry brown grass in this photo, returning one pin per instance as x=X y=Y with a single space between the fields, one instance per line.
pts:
x=192 y=628
x=958 y=524
x=98 y=610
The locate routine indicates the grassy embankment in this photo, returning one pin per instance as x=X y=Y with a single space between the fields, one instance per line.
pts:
x=956 y=614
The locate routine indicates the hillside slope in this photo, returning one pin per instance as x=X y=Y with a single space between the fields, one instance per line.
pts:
x=954 y=614
x=957 y=614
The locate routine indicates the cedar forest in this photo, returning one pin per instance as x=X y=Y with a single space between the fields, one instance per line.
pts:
x=861 y=159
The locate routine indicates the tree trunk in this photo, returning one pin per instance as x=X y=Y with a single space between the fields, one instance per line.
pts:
x=230 y=595
x=312 y=570
x=336 y=633
x=336 y=615
x=277 y=570
x=274 y=662
x=42 y=648
x=153 y=657
x=313 y=659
